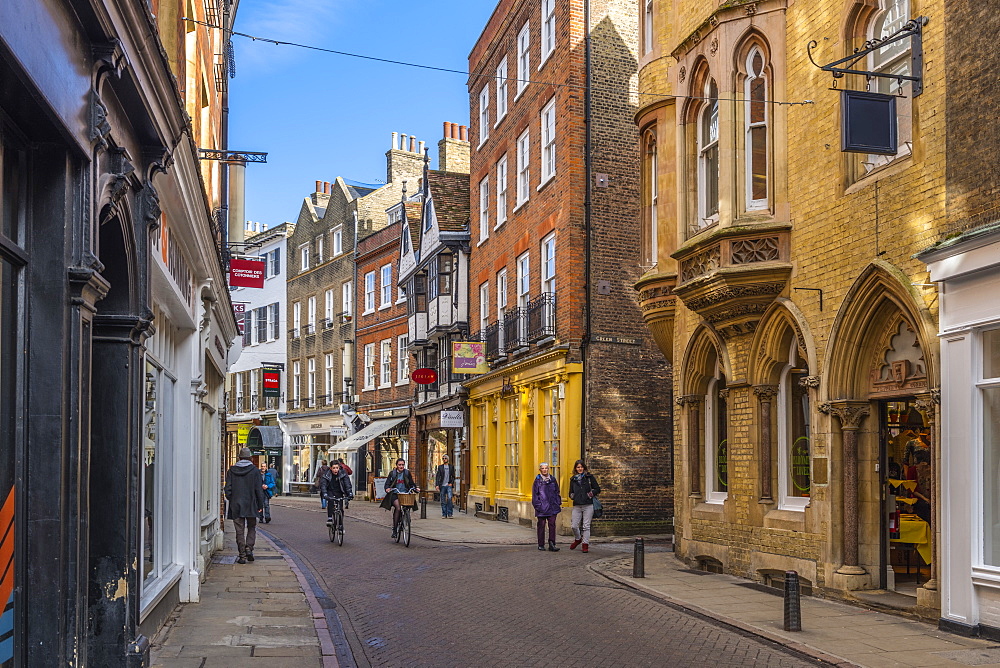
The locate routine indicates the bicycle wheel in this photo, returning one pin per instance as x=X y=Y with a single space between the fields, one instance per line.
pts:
x=333 y=531
x=406 y=528
x=340 y=528
x=399 y=528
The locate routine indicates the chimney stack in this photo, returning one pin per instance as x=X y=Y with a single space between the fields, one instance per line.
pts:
x=453 y=149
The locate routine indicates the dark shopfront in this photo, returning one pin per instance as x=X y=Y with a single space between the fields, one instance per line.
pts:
x=267 y=446
x=439 y=436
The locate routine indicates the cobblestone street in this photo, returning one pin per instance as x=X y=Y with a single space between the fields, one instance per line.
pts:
x=427 y=605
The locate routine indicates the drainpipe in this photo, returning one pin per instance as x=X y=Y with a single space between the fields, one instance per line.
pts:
x=588 y=170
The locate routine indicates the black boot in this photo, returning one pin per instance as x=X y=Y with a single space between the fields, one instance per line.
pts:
x=552 y=547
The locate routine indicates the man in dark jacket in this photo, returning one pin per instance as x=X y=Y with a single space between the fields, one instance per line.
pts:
x=245 y=492
x=444 y=483
x=323 y=468
x=335 y=484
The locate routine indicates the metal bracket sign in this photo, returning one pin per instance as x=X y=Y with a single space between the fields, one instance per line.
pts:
x=912 y=29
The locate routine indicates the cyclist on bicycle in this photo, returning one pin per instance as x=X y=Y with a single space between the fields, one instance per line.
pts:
x=399 y=480
x=335 y=484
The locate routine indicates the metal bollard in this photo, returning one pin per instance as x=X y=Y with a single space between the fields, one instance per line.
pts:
x=793 y=604
x=639 y=559
x=423 y=507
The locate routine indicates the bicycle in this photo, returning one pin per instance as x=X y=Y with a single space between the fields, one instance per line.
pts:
x=402 y=527
x=336 y=526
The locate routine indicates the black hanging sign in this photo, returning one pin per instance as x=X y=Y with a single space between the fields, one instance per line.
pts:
x=868 y=122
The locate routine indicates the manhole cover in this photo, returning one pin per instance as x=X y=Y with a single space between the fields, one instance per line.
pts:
x=981 y=656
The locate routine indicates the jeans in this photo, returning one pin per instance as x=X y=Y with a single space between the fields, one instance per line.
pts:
x=331 y=506
x=266 y=513
x=447 y=507
x=583 y=515
x=248 y=524
x=542 y=521
x=322 y=500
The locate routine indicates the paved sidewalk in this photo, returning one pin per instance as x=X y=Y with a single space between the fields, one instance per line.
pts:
x=260 y=613
x=836 y=632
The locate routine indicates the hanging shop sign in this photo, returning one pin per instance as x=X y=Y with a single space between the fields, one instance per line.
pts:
x=868 y=122
x=469 y=357
x=452 y=419
x=272 y=382
x=424 y=376
x=246 y=273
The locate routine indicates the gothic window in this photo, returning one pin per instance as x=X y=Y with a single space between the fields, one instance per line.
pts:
x=708 y=157
x=793 y=433
x=757 y=122
x=717 y=439
x=650 y=197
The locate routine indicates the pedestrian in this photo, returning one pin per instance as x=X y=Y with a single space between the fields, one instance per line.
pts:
x=244 y=491
x=323 y=468
x=336 y=484
x=444 y=483
x=547 y=503
x=269 y=486
x=344 y=467
x=399 y=480
x=583 y=488
x=274 y=476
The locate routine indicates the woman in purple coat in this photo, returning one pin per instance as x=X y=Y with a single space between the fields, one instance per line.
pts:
x=547 y=502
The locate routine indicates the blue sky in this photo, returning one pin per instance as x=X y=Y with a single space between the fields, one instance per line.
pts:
x=318 y=115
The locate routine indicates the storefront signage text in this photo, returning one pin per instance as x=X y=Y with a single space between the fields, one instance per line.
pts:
x=469 y=357
x=452 y=419
x=242 y=433
x=272 y=382
x=424 y=376
x=246 y=273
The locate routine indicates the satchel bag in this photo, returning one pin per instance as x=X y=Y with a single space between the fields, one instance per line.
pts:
x=598 y=508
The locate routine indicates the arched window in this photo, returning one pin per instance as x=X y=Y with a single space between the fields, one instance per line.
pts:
x=650 y=197
x=757 y=121
x=708 y=157
x=716 y=439
x=892 y=59
x=794 y=434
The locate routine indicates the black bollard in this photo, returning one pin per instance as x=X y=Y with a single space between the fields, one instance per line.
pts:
x=639 y=559
x=793 y=604
x=423 y=507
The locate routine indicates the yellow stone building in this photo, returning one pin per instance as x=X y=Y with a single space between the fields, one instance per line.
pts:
x=785 y=291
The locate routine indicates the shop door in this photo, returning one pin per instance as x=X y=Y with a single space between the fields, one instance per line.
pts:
x=905 y=475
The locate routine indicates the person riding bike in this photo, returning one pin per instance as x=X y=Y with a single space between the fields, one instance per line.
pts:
x=335 y=484
x=399 y=480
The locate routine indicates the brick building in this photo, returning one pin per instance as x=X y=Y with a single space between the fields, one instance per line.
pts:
x=434 y=274
x=785 y=289
x=553 y=263
x=323 y=286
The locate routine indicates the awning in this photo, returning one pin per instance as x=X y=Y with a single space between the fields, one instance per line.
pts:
x=265 y=440
x=375 y=428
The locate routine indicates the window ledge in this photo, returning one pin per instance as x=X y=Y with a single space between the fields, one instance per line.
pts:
x=500 y=120
x=482 y=142
x=368 y=312
x=549 y=179
x=368 y=388
x=384 y=387
x=786 y=518
x=383 y=307
x=546 y=58
x=520 y=206
x=519 y=92
x=891 y=168
x=500 y=224
x=482 y=241
x=405 y=381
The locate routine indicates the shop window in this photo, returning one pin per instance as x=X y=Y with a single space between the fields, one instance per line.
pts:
x=156 y=483
x=512 y=445
x=550 y=418
x=757 y=122
x=794 y=475
x=989 y=395
x=717 y=440
x=481 y=444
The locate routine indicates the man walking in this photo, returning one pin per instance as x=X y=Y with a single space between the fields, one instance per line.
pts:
x=444 y=483
x=269 y=486
x=245 y=492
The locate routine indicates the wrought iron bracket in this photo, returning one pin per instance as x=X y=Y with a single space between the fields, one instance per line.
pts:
x=231 y=156
x=912 y=29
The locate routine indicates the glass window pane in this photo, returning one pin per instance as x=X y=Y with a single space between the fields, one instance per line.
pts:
x=758 y=93
x=758 y=162
x=991 y=353
x=798 y=414
x=991 y=476
x=722 y=439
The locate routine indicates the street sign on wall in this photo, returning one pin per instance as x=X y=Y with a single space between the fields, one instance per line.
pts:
x=452 y=419
x=246 y=273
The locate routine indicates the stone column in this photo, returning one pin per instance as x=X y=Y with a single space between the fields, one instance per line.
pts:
x=850 y=414
x=927 y=405
x=765 y=395
x=693 y=403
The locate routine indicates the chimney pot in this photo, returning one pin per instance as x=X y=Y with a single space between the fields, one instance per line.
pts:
x=395 y=140
x=413 y=144
x=446 y=129
x=318 y=184
x=402 y=141
x=420 y=148
x=463 y=133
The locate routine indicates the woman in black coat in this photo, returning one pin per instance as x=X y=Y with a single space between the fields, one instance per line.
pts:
x=583 y=488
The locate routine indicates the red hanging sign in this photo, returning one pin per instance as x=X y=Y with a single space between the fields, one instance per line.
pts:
x=424 y=376
x=272 y=382
x=246 y=273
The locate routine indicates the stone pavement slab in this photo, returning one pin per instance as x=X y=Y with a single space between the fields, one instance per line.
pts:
x=259 y=613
